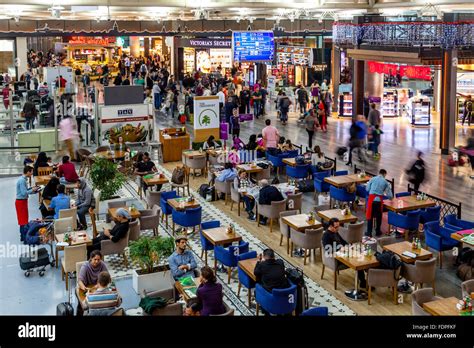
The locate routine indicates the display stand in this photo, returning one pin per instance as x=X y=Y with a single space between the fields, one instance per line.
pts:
x=206 y=118
x=345 y=104
x=174 y=142
x=390 y=105
x=419 y=111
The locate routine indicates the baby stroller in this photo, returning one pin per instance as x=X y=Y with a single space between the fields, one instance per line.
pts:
x=36 y=259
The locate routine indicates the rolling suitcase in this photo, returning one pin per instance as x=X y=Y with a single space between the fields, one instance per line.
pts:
x=33 y=260
x=65 y=309
x=296 y=276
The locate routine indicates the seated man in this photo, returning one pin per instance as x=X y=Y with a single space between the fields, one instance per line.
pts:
x=267 y=195
x=67 y=172
x=110 y=299
x=242 y=182
x=118 y=232
x=229 y=173
x=182 y=262
x=85 y=199
x=61 y=201
x=270 y=273
x=145 y=167
x=333 y=242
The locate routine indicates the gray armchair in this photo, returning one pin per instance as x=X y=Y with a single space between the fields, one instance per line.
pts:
x=150 y=219
x=172 y=309
x=223 y=187
x=228 y=312
x=381 y=242
x=199 y=162
x=295 y=201
x=152 y=198
x=330 y=262
x=235 y=198
x=271 y=211
x=107 y=247
x=353 y=233
x=114 y=204
x=309 y=240
x=285 y=230
x=467 y=287
x=419 y=297
x=421 y=272
x=264 y=174
x=383 y=278
x=134 y=230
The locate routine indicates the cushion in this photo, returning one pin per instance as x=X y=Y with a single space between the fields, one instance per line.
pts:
x=102 y=300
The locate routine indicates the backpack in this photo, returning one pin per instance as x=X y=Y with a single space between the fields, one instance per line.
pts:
x=178 y=175
x=341 y=150
x=285 y=103
x=203 y=189
x=300 y=160
x=465 y=272
x=388 y=260
x=306 y=185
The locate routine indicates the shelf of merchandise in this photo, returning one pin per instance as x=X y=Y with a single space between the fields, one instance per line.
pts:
x=390 y=106
x=419 y=111
x=346 y=109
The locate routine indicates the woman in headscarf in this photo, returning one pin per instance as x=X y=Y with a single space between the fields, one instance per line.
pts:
x=50 y=191
x=41 y=161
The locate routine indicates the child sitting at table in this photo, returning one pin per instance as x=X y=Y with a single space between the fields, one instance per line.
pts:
x=105 y=299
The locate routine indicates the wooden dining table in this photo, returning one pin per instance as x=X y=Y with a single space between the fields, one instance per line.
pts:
x=182 y=290
x=346 y=180
x=442 y=307
x=292 y=162
x=407 y=203
x=327 y=215
x=248 y=266
x=155 y=180
x=183 y=203
x=133 y=213
x=400 y=248
x=111 y=155
x=249 y=168
x=42 y=179
x=300 y=222
x=194 y=153
x=458 y=236
x=76 y=238
x=219 y=236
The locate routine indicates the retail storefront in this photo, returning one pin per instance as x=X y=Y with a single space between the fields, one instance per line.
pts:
x=205 y=54
x=292 y=65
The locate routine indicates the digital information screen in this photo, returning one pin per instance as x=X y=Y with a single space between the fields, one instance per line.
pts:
x=253 y=46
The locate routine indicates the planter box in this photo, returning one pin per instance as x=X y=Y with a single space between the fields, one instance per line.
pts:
x=159 y=280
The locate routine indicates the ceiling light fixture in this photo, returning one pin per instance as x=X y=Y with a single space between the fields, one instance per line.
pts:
x=55 y=10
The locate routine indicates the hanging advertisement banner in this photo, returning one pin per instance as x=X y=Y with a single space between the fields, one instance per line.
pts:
x=131 y=122
x=206 y=117
x=410 y=71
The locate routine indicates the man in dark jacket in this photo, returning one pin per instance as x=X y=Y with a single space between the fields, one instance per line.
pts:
x=270 y=273
x=267 y=195
x=84 y=202
x=118 y=232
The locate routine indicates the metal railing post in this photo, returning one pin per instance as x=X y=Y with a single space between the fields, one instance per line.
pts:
x=12 y=125
x=96 y=118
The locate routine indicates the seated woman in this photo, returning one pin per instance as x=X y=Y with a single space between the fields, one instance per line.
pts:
x=260 y=146
x=210 y=143
x=281 y=145
x=229 y=173
x=238 y=143
x=252 y=144
x=317 y=156
x=118 y=232
x=287 y=146
x=50 y=191
x=89 y=273
x=209 y=294
x=41 y=161
x=233 y=156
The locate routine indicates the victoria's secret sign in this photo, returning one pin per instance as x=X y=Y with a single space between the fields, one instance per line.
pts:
x=419 y=72
x=205 y=43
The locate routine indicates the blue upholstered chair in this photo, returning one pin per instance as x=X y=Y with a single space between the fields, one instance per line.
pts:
x=409 y=221
x=229 y=256
x=430 y=214
x=454 y=221
x=341 y=195
x=341 y=172
x=439 y=239
x=361 y=191
x=402 y=194
x=187 y=217
x=319 y=184
x=165 y=207
x=244 y=278
x=277 y=161
x=297 y=172
x=205 y=244
x=279 y=301
x=315 y=312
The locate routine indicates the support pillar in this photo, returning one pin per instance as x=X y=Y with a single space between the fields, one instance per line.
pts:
x=21 y=55
x=146 y=46
x=373 y=83
x=335 y=74
x=357 y=87
x=135 y=46
x=448 y=101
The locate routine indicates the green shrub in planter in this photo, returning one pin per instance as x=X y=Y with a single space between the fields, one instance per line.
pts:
x=149 y=252
x=106 y=178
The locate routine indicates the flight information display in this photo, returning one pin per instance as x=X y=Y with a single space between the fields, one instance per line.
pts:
x=253 y=46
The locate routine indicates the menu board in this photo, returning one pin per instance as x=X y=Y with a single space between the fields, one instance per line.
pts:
x=253 y=46
x=295 y=55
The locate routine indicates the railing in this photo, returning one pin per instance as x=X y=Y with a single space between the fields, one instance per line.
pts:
x=334 y=160
x=391 y=182
x=12 y=159
x=447 y=207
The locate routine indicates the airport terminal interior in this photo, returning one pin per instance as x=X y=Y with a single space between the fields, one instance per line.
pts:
x=251 y=158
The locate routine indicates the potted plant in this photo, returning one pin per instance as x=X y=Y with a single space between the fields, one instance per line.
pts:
x=151 y=254
x=106 y=177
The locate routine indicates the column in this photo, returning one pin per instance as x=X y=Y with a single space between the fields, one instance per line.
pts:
x=437 y=91
x=448 y=100
x=134 y=46
x=146 y=46
x=373 y=83
x=335 y=74
x=357 y=87
x=22 y=60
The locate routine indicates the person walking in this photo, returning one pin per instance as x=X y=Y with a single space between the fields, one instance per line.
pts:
x=67 y=134
x=284 y=106
x=303 y=99
x=322 y=117
x=29 y=112
x=358 y=132
x=311 y=124
x=467 y=111
x=417 y=172
x=270 y=136
x=374 y=116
